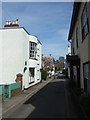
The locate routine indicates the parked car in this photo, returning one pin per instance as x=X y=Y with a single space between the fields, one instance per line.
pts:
x=60 y=76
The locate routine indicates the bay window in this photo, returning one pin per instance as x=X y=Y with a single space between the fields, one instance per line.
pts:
x=32 y=50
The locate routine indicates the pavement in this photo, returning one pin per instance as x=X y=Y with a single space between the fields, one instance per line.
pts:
x=11 y=104
x=76 y=102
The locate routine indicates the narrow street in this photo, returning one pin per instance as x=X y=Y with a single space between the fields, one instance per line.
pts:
x=45 y=59
x=52 y=101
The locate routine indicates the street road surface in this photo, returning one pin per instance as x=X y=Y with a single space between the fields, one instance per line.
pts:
x=52 y=101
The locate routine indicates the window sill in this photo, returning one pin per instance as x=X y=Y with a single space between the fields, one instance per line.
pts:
x=33 y=58
x=31 y=82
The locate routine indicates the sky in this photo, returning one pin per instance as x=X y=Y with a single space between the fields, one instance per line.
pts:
x=49 y=21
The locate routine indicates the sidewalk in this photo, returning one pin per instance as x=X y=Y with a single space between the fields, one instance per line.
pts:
x=76 y=102
x=10 y=105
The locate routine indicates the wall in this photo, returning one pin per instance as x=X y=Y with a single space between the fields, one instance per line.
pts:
x=7 y=93
x=35 y=63
x=39 y=57
x=13 y=54
x=14 y=89
x=89 y=33
x=84 y=46
x=33 y=38
x=82 y=50
x=25 y=58
x=0 y=57
x=89 y=48
x=1 y=89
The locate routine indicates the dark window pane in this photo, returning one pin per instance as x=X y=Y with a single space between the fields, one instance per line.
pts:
x=32 y=50
x=31 y=71
x=84 y=23
x=77 y=37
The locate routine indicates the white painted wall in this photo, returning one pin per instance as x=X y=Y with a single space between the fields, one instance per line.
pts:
x=15 y=51
x=25 y=57
x=39 y=57
x=33 y=38
x=0 y=56
x=35 y=63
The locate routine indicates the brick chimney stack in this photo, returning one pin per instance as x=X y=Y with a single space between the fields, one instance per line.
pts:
x=13 y=23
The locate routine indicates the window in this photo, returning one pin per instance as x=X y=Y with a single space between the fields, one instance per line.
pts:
x=84 y=23
x=72 y=47
x=86 y=73
x=77 y=37
x=25 y=62
x=33 y=50
x=73 y=51
x=31 y=70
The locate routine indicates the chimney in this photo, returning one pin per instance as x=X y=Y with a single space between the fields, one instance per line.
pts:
x=16 y=21
x=7 y=24
x=13 y=23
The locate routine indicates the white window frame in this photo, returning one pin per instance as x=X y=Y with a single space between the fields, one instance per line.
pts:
x=32 y=50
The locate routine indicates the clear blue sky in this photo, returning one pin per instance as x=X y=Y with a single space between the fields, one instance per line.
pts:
x=50 y=21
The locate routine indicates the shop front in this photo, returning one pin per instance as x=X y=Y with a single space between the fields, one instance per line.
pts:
x=74 y=66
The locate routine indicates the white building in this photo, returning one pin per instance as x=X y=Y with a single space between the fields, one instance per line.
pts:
x=20 y=52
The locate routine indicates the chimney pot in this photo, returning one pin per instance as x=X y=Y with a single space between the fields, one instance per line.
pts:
x=13 y=23
x=16 y=21
x=6 y=22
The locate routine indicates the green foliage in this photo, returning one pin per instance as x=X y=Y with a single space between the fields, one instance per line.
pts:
x=44 y=74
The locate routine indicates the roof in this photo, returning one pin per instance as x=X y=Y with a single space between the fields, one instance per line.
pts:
x=76 y=8
x=6 y=28
x=73 y=59
x=39 y=41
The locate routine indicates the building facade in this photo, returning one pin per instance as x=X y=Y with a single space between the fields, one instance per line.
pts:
x=79 y=37
x=20 y=55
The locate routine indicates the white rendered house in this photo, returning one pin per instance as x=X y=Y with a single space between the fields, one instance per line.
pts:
x=20 y=53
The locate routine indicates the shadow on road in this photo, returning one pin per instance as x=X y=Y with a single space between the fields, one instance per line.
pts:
x=54 y=101
x=49 y=102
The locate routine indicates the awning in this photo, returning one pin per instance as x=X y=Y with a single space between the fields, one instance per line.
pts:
x=73 y=59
